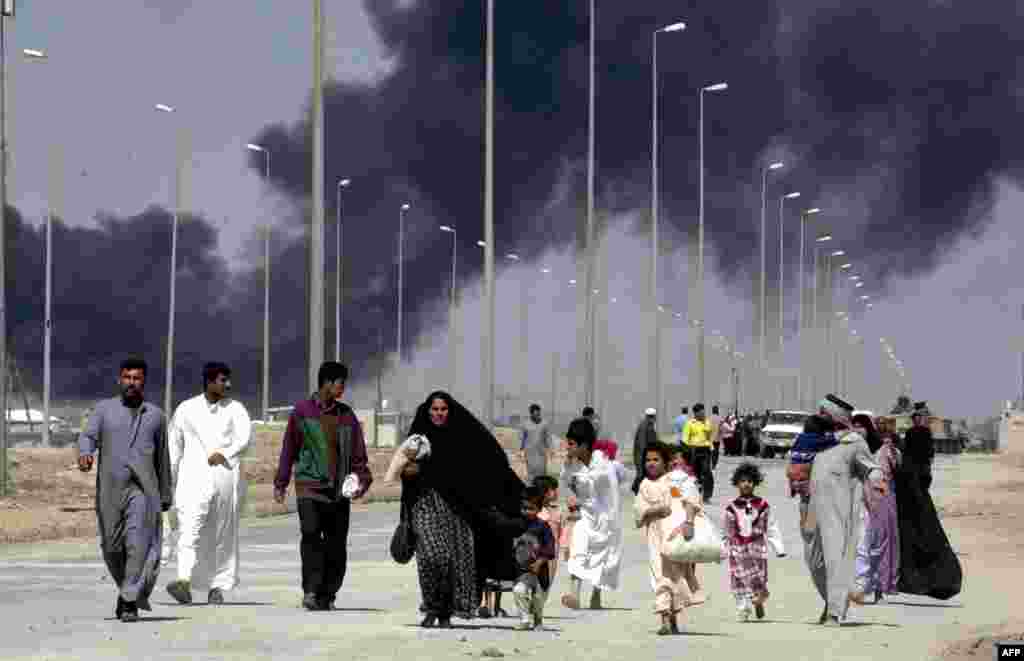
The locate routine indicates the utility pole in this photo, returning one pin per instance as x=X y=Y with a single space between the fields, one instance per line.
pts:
x=8 y=10
x=488 y=385
x=315 y=347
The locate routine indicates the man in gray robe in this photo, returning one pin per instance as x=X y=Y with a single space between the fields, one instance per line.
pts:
x=537 y=444
x=133 y=487
x=832 y=526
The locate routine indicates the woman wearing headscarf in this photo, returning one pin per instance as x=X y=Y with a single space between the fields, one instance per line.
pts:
x=878 y=552
x=928 y=564
x=465 y=509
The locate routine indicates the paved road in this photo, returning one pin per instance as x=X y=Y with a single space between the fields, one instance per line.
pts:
x=56 y=603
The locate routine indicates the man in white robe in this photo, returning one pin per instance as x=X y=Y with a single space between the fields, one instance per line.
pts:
x=208 y=435
x=593 y=484
x=830 y=536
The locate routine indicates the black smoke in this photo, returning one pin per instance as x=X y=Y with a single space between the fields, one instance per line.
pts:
x=110 y=300
x=892 y=117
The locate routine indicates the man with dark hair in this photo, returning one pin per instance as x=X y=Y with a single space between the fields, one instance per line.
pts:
x=698 y=440
x=208 y=435
x=325 y=442
x=593 y=484
x=537 y=445
x=646 y=434
x=716 y=435
x=133 y=486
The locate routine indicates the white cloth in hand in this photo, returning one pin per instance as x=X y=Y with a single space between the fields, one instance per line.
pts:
x=350 y=486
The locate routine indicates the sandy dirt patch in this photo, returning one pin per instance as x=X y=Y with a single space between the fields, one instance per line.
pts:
x=52 y=499
x=986 y=511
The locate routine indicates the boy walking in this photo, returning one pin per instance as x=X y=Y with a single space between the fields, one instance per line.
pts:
x=534 y=551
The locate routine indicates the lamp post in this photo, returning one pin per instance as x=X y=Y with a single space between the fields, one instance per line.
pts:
x=523 y=341
x=6 y=9
x=782 y=325
x=590 y=347
x=800 y=310
x=401 y=242
x=265 y=391
x=488 y=384
x=451 y=309
x=816 y=338
x=829 y=317
x=343 y=183
x=701 y=349
x=34 y=55
x=654 y=350
x=315 y=350
x=763 y=340
x=169 y=392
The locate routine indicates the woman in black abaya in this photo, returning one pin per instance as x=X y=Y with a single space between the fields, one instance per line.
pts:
x=928 y=565
x=464 y=499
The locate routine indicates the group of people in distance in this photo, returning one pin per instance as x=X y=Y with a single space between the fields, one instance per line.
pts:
x=866 y=519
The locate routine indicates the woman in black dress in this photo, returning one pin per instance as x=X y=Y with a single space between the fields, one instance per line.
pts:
x=464 y=504
x=928 y=565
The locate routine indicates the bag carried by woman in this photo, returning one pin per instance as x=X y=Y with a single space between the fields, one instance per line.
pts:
x=403 y=541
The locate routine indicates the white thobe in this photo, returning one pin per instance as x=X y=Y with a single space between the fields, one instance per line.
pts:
x=207 y=498
x=597 y=537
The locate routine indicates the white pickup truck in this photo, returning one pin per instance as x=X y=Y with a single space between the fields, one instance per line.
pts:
x=780 y=432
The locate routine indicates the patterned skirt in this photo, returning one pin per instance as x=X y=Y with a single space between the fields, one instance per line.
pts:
x=748 y=568
x=444 y=558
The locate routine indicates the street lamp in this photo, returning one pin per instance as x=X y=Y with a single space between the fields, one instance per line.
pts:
x=169 y=393
x=451 y=312
x=34 y=55
x=654 y=348
x=265 y=394
x=800 y=307
x=782 y=201
x=401 y=240
x=717 y=87
x=343 y=183
x=488 y=381
x=763 y=331
x=524 y=329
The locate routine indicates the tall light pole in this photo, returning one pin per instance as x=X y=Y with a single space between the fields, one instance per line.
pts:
x=488 y=385
x=701 y=349
x=763 y=340
x=782 y=250
x=401 y=259
x=6 y=9
x=816 y=338
x=523 y=357
x=828 y=318
x=800 y=310
x=315 y=349
x=654 y=346
x=169 y=367
x=265 y=390
x=337 y=274
x=33 y=55
x=452 y=349
x=590 y=348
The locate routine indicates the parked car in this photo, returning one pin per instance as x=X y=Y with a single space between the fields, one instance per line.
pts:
x=780 y=432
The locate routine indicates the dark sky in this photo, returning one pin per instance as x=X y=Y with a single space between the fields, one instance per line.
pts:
x=894 y=118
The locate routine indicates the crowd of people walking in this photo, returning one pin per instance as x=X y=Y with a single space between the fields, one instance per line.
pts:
x=867 y=522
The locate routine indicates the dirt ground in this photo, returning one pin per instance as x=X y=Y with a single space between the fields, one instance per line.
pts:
x=986 y=513
x=53 y=500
